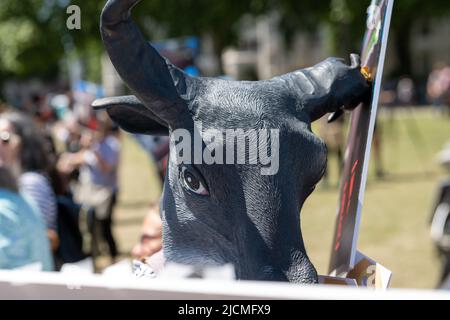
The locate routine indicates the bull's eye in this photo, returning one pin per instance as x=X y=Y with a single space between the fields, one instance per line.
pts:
x=192 y=181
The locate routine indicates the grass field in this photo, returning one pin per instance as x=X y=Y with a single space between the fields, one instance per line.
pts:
x=394 y=226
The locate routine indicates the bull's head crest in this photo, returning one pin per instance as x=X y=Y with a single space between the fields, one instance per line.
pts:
x=230 y=212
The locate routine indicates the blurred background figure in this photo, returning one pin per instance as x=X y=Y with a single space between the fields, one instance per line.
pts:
x=24 y=237
x=438 y=88
x=151 y=235
x=97 y=192
x=405 y=91
x=29 y=159
x=440 y=218
x=333 y=136
x=149 y=249
x=157 y=148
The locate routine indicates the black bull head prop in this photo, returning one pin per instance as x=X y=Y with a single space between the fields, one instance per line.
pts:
x=236 y=212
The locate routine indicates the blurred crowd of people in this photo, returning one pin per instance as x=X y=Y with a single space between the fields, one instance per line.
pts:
x=58 y=183
x=405 y=92
x=438 y=87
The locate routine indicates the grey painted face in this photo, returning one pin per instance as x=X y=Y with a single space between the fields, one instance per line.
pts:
x=230 y=213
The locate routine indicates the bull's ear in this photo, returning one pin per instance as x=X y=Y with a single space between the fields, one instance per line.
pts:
x=131 y=115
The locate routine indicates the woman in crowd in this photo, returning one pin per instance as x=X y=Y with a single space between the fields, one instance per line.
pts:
x=151 y=235
x=149 y=248
x=27 y=155
x=98 y=161
x=23 y=240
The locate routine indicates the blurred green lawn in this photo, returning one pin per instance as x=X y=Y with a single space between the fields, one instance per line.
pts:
x=394 y=226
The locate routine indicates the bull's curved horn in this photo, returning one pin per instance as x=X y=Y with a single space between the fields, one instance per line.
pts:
x=140 y=66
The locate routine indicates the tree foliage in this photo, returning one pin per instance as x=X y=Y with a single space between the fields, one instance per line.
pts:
x=34 y=37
